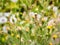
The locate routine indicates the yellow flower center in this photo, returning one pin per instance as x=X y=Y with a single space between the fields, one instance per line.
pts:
x=49 y=27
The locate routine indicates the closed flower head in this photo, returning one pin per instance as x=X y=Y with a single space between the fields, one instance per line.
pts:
x=54 y=36
x=50 y=43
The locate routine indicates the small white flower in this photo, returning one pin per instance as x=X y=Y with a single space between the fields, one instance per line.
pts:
x=14 y=0
x=51 y=22
x=3 y=20
x=4 y=29
x=32 y=14
x=13 y=19
x=7 y=14
x=55 y=9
